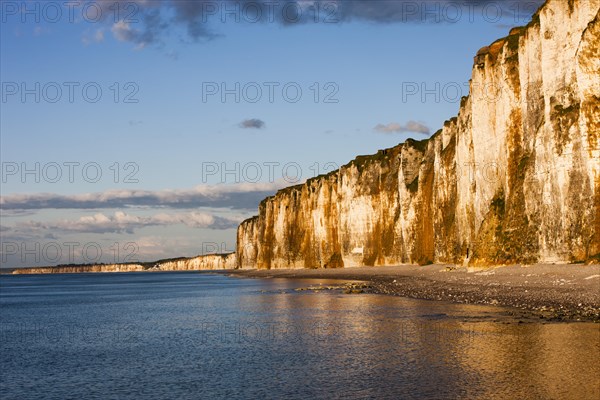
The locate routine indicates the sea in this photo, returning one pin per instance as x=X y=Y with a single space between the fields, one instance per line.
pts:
x=196 y=335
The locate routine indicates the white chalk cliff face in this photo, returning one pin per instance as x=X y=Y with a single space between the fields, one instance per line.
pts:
x=207 y=262
x=514 y=178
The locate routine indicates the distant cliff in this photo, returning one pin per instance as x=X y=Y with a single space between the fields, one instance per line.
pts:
x=514 y=178
x=207 y=262
x=76 y=269
x=210 y=262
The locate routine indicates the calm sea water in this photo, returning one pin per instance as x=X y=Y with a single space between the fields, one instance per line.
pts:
x=192 y=335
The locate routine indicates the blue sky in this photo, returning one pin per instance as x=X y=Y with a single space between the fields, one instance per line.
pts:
x=161 y=139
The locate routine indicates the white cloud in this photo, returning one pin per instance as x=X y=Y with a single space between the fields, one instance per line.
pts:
x=122 y=31
x=235 y=196
x=121 y=222
x=99 y=35
x=410 y=126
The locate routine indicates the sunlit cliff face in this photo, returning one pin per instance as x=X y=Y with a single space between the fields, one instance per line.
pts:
x=514 y=178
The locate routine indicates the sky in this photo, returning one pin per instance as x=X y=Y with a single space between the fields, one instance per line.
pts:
x=140 y=130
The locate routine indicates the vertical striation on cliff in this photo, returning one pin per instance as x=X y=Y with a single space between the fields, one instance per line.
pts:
x=514 y=178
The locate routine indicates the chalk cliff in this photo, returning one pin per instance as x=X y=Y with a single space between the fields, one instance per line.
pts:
x=206 y=262
x=514 y=178
x=77 y=269
x=210 y=262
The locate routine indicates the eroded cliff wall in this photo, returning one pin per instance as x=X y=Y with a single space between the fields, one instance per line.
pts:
x=514 y=178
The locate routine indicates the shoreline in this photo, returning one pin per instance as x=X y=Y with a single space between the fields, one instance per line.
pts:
x=548 y=292
x=540 y=292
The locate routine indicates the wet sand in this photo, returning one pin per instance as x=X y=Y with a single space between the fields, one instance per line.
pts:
x=543 y=291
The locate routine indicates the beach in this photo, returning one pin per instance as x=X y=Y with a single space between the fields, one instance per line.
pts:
x=553 y=292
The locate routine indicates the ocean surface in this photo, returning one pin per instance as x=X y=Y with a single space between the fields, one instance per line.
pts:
x=205 y=336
